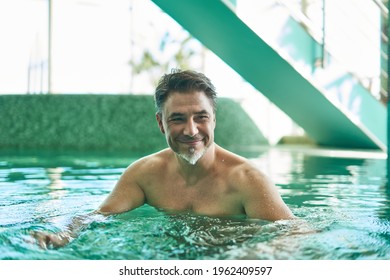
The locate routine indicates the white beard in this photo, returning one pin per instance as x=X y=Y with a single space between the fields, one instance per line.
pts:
x=192 y=156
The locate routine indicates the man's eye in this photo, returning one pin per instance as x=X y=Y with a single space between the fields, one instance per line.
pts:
x=177 y=119
x=202 y=118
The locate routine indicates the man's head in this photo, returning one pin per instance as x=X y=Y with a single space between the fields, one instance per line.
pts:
x=183 y=82
x=185 y=102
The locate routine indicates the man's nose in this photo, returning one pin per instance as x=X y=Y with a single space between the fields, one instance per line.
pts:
x=191 y=128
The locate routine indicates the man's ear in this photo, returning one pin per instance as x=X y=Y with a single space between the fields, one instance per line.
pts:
x=159 y=121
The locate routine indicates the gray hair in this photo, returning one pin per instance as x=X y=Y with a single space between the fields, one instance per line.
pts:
x=184 y=82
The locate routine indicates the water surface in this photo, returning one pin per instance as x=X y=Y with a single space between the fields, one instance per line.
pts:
x=340 y=197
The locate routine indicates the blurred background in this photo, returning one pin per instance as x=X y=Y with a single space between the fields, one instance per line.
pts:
x=124 y=46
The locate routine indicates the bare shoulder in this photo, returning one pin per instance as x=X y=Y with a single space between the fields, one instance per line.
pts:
x=150 y=164
x=152 y=160
x=240 y=169
x=129 y=191
x=259 y=195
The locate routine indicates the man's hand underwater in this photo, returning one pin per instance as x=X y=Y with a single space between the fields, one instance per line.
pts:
x=47 y=240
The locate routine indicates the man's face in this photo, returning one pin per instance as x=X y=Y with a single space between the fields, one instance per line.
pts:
x=188 y=122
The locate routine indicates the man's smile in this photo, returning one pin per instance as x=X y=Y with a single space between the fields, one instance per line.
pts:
x=190 y=141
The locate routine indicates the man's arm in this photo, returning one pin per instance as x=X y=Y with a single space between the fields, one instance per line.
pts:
x=71 y=231
x=125 y=196
x=261 y=198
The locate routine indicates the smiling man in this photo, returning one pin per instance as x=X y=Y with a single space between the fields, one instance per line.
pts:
x=194 y=174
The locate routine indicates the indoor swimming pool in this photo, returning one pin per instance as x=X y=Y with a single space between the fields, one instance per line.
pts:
x=340 y=196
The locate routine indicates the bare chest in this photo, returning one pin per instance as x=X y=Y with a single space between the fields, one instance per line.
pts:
x=207 y=197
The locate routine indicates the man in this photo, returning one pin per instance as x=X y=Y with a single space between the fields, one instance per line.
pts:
x=194 y=174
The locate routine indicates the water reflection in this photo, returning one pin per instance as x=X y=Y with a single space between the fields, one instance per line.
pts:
x=385 y=211
x=347 y=181
x=343 y=199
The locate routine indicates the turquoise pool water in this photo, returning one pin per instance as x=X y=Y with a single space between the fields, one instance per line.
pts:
x=341 y=195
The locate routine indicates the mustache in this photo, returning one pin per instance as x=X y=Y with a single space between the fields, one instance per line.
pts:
x=189 y=138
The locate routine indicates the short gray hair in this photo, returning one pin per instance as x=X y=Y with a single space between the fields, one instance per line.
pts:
x=185 y=82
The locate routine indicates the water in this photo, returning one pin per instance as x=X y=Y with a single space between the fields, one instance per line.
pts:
x=340 y=197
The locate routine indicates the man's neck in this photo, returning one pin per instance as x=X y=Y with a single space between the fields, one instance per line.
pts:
x=194 y=172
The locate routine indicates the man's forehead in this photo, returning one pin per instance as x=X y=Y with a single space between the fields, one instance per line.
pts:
x=194 y=99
